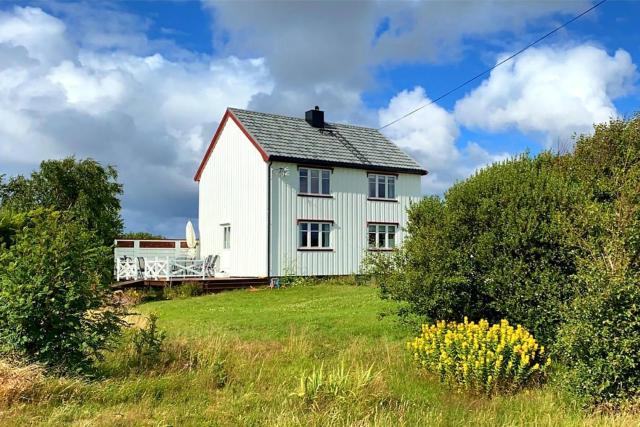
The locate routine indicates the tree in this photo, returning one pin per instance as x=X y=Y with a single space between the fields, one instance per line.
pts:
x=54 y=295
x=85 y=188
x=10 y=223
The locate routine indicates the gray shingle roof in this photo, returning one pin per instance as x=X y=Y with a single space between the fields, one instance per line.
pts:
x=293 y=139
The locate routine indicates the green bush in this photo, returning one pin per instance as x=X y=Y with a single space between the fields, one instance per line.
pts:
x=600 y=339
x=54 y=296
x=600 y=344
x=10 y=224
x=493 y=248
x=551 y=242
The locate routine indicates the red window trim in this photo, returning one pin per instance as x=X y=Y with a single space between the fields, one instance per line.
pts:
x=381 y=199
x=327 y=196
x=214 y=141
x=376 y=249
x=315 y=248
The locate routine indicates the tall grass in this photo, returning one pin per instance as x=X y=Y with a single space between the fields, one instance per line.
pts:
x=337 y=383
x=18 y=382
x=306 y=356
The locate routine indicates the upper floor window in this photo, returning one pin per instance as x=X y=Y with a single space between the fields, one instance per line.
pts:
x=315 y=181
x=382 y=186
x=314 y=235
x=382 y=236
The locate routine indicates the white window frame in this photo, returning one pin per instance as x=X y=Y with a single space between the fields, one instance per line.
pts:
x=386 y=182
x=381 y=233
x=226 y=236
x=323 y=230
x=321 y=175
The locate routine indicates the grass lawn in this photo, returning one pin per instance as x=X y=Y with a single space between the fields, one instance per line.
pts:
x=237 y=358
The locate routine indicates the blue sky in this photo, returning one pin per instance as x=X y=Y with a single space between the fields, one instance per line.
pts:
x=142 y=85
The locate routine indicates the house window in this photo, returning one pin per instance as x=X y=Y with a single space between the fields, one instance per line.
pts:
x=382 y=186
x=382 y=236
x=315 y=181
x=314 y=235
x=226 y=236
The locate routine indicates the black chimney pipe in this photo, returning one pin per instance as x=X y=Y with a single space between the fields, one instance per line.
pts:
x=315 y=117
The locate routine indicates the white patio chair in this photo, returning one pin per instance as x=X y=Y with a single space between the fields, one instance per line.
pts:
x=211 y=265
x=141 y=266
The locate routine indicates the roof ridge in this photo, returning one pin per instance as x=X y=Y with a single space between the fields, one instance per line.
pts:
x=301 y=118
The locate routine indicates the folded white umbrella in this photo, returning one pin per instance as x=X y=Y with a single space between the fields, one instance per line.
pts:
x=191 y=235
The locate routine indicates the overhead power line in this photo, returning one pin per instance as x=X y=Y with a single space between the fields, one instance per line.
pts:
x=488 y=70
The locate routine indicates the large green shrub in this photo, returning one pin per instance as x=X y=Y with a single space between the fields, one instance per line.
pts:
x=493 y=248
x=551 y=242
x=600 y=344
x=600 y=340
x=54 y=297
x=10 y=223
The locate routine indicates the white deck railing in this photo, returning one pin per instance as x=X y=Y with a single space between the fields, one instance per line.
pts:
x=160 y=268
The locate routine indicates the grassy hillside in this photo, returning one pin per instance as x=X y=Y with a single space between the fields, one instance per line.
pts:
x=237 y=358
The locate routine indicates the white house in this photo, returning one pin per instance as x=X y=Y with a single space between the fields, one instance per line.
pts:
x=298 y=196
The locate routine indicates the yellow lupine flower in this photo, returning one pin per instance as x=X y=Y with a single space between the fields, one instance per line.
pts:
x=478 y=355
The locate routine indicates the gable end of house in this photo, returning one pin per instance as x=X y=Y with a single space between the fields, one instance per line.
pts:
x=228 y=115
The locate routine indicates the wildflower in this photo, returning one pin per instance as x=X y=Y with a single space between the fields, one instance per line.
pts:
x=479 y=356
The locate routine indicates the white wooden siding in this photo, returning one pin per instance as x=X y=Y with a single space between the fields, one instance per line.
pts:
x=233 y=191
x=349 y=210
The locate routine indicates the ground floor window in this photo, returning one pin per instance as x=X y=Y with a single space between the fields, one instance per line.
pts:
x=226 y=236
x=314 y=235
x=382 y=236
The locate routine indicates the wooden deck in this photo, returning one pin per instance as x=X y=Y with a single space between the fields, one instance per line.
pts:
x=209 y=284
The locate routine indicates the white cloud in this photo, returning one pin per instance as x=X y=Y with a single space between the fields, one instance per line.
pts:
x=553 y=91
x=322 y=52
x=41 y=34
x=431 y=137
x=88 y=89
x=149 y=115
x=432 y=131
